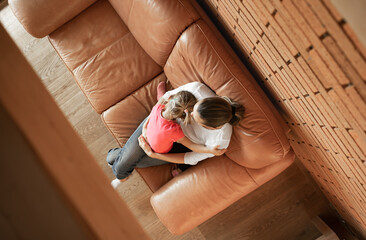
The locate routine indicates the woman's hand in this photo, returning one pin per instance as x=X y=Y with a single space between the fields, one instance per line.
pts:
x=168 y=157
x=146 y=147
x=216 y=151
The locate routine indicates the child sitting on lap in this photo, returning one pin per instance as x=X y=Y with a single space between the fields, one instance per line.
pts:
x=161 y=129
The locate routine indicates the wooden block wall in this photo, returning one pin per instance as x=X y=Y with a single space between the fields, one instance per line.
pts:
x=314 y=66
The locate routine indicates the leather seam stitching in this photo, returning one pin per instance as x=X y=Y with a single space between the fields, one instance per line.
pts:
x=185 y=8
x=246 y=169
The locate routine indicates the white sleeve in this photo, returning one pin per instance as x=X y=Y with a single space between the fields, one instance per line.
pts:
x=202 y=91
x=192 y=158
x=171 y=92
x=198 y=89
x=222 y=139
x=187 y=87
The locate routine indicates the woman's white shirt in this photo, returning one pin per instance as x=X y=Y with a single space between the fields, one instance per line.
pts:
x=199 y=90
x=198 y=134
x=209 y=137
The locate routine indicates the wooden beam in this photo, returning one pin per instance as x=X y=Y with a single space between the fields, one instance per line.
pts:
x=60 y=153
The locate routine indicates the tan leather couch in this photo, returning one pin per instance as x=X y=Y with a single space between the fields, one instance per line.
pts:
x=119 y=50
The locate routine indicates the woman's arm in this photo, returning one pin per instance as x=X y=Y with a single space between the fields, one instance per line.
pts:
x=200 y=148
x=168 y=157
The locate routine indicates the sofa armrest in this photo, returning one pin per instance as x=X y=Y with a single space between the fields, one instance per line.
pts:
x=265 y=174
x=201 y=192
x=41 y=17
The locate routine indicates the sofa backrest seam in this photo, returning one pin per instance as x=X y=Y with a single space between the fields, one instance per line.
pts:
x=246 y=169
x=176 y=40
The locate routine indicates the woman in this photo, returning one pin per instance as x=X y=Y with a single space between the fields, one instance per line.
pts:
x=212 y=117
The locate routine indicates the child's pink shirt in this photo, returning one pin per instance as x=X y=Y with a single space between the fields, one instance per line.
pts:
x=162 y=133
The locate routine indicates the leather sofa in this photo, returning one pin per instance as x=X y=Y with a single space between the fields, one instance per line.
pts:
x=119 y=50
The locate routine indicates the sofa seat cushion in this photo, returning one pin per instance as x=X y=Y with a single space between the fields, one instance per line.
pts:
x=198 y=55
x=157 y=176
x=107 y=62
x=124 y=117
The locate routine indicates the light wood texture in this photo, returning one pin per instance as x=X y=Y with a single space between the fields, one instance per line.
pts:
x=281 y=209
x=56 y=153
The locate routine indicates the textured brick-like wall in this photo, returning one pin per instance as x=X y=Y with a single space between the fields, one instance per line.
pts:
x=312 y=63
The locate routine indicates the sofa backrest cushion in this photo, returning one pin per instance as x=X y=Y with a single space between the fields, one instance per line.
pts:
x=156 y=24
x=259 y=140
x=105 y=59
x=42 y=17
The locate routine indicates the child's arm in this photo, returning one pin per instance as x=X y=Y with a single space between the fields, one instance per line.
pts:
x=192 y=158
x=168 y=157
x=201 y=148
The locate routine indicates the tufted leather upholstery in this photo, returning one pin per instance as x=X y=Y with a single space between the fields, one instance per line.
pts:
x=119 y=51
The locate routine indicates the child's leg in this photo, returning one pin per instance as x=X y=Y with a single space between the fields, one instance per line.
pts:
x=123 y=160
x=161 y=89
x=175 y=170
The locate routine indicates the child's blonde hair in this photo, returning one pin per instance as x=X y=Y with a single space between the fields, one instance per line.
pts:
x=180 y=105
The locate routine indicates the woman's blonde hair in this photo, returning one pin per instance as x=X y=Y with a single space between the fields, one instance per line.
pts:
x=216 y=111
x=180 y=105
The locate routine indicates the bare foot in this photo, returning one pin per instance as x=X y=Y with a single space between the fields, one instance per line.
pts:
x=161 y=89
x=175 y=171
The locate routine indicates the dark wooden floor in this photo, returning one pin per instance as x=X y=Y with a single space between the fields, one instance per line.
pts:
x=281 y=209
